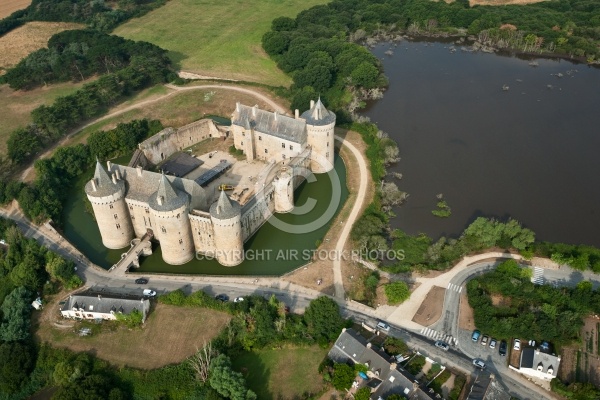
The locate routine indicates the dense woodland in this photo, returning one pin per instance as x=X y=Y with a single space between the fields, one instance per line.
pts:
x=97 y=14
x=55 y=176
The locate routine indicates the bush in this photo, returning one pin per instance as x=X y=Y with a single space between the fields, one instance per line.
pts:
x=397 y=292
x=343 y=376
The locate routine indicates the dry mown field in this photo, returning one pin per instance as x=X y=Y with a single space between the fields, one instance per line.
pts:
x=430 y=310
x=8 y=7
x=170 y=335
x=28 y=38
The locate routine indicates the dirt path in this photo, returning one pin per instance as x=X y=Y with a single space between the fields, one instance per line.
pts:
x=176 y=90
x=354 y=214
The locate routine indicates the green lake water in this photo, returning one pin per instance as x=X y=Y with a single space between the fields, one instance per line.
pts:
x=274 y=251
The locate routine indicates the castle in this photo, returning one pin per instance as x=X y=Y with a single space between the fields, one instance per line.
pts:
x=130 y=202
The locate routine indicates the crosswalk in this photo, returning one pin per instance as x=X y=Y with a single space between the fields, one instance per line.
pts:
x=435 y=335
x=538 y=276
x=456 y=288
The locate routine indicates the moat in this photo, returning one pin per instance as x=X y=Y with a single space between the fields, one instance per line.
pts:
x=529 y=152
x=273 y=251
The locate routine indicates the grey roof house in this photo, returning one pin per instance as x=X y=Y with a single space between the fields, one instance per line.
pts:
x=102 y=307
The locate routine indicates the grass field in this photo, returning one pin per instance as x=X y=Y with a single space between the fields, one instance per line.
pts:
x=8 y=7
x=217 y=38
x=32 y=36
x=284 y=374
x=170 y=335
x=175 y=110
x=16 y=106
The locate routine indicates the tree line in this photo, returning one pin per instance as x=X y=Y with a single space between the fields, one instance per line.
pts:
x=56 y=175
x=97 y=14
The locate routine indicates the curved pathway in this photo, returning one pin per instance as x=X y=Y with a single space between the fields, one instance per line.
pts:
x=176 y=90
x=354 y=214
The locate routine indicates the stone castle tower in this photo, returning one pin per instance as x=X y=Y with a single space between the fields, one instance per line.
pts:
x=226 y=218
x=170 y=208
x=320 y=124
x=107 y=195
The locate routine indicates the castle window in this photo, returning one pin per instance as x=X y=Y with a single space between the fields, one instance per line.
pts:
x=327 y=144
x=177 y=216
x=291 y=147
x=147 y=211
x=327 y=154
x=118 y=226
x=260 y=138
x=162 y=228
x=132 y=218
x=242 y=143
x=131 y=207
x=180 y=241
x=110 y=206
x=266 y=150
x=116 y=216
x=283 y=145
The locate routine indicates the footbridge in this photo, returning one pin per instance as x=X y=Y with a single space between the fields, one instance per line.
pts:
x=139 y=247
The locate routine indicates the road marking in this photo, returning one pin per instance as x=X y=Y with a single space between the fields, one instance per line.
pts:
x=435 y=335
x=538 y=276
x=456 y=288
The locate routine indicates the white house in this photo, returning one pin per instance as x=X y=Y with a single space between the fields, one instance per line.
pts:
x=102 y=307
x=538 y=364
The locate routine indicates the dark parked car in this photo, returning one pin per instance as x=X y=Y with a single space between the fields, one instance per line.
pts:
x=141 y=281
x=222 y=297
x=502 y=348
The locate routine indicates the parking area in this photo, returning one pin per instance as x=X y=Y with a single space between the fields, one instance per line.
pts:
x=477 y=350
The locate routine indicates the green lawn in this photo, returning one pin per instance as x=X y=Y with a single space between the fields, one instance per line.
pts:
x=282 y=374
x=217 y=38
x=16 y=105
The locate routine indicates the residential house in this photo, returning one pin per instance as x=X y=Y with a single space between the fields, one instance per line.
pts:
x=384 y=377
x=104 y=307
x=538 y=364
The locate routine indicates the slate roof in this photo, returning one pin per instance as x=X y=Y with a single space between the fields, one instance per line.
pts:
x=273 y=124
x=224 y=208
x=140 y=188
x=104 y=183
x=318 y=115
x=532 y=358
x=166 y=198
x=181 y=164
x=104 y=304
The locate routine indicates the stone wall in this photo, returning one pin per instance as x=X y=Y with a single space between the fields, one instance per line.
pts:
x=202 y=232
x=263 y=146
x=321 y=140
x=170 y=140
x=174 y=233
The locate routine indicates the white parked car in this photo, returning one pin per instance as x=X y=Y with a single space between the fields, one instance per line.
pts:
x=442 y=345
x=517 y=345
x=238 y=299
x=149 y=293
x=382 y=326
x=479 y=363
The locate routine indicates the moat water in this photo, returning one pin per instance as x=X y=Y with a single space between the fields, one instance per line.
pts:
x=529 y=152
x=274 y=251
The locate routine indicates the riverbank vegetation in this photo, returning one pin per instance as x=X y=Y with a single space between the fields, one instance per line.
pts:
x=443 y=209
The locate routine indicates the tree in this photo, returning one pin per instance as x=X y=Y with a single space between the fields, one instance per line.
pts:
x=323 y=318
x=275 y=42
x=397 y=292
x=16 y=362
x=343 y=376
x=16 y=310
x=226 y=382
x=92 y=387
x=200 y=362
x=365 y=75
x=364 y=393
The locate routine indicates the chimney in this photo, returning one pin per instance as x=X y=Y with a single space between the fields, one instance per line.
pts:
x=254 y=110
x=237 y=106
x=139 y=170
x=94 y=187
x=114 y=178
x=297 y=113
x=275 y=114
x=159 y=200
x=369 y=345
x=108 y=165
x=393 y=366
x=99 y=297
x=118 y=173
x=312 y=104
